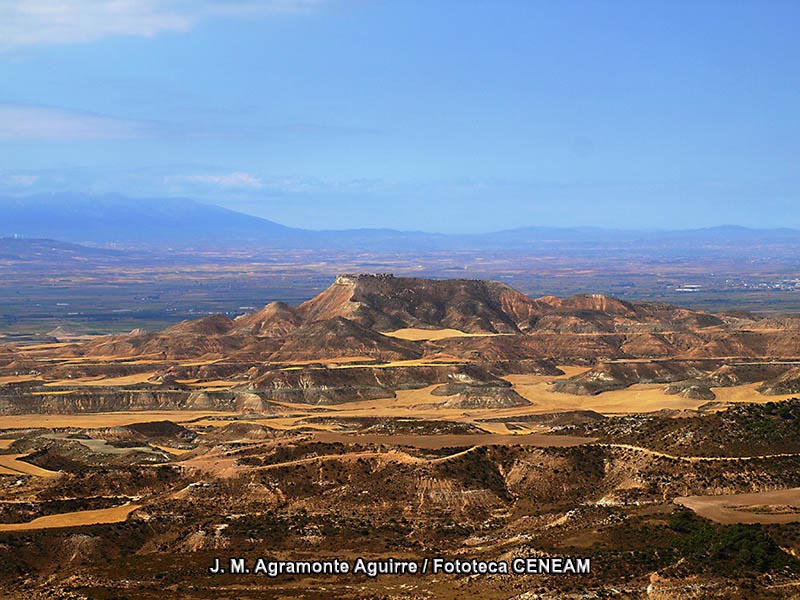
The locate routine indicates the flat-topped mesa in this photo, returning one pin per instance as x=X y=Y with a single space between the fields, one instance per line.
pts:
x=385 y=303
x=353 y=278
x=581 y=328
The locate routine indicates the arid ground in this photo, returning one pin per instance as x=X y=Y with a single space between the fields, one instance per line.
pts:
x=412 y=419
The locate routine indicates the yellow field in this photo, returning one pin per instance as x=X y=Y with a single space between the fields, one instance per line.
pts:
x=112 y=419
x=116 y=514
x=332 y=361
x=46 y=346
x=777 y=506
x=422 y=404
x=635 y=399
x=177 y=451
x=747 y=393
x=415 y=362
x=414 y=334
x=102 y=381
x=18 y=378
x=10 y=465
x=281 y=423
x=416 y=403
x=201 y=363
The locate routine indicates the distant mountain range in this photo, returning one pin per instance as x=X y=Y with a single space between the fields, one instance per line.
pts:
x=183 y=222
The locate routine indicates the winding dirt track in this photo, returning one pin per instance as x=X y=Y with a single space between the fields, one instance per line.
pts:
x=437 y=442
x=697 y=458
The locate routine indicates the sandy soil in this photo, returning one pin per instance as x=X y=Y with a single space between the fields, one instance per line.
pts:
x=11 y=465
x=102 y=381
x=415 y=334
x=778 y=506
x=170 y=450
x=414 y=362
x=637 y=398
x=112 y=419
x=18 y=379
x=116 y=514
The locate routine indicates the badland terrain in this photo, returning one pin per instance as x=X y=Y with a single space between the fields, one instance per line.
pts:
x=410 y=418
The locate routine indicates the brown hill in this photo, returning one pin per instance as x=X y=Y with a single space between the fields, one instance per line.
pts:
x=582 y=328
x=385 y=303
x=614 y=376
x=212 y=325
x=471 y=390
x=346 y=320
x=276 y=319
x=338 y=338
x=787 y=383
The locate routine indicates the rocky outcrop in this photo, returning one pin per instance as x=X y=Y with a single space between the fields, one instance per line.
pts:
x=338 y=338
x=464 y=390
x=614 y=376
x=386 y=303
x=17 y=400
x=788 y=383
x=691 y=388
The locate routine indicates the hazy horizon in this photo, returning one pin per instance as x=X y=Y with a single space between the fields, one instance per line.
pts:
x=123 y=202
x=334 y=114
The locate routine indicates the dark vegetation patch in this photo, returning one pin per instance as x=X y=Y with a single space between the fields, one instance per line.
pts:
x=741 y=430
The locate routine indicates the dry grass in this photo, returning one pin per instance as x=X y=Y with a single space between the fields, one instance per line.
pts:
x=201 y=363
x=46 y=346
x=102 y=381
x=170 y=450
x=777 y=506
x=415 y=362
x=95 y=420
x=415 y=334
x=116 y=514
x=637 y=398
x=331 y=361
x=18 y=379
x=747 y=393
x=11 y=465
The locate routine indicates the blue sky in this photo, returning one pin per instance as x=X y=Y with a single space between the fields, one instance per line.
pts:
x=435 y=115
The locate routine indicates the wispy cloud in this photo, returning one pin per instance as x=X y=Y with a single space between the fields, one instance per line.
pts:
x=17 y=181
x=33 y=22
x=237 y=180
x=43 y=123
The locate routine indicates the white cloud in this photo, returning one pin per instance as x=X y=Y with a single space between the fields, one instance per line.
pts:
x=237 y=179
x=18 y=180
x=40 y=123
x=22 y=180
x=32 y=22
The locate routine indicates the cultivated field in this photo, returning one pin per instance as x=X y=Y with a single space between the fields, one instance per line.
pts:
x=416 y=334
x=116 y=514
x=11 y=464
x=778 y=506
x=639 y=398
x=97 y=420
